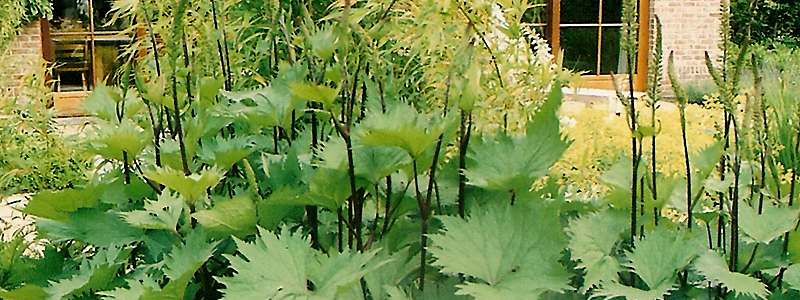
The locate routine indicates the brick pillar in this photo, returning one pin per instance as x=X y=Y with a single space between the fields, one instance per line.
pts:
x=690 y=27
x=23 y=56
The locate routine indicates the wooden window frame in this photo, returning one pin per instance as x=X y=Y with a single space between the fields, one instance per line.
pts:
x=553 y=33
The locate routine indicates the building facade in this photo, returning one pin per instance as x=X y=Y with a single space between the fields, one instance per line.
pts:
x=23 y=56
x=588 y=31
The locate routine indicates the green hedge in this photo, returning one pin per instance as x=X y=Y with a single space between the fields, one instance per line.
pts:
x=772 y=21
x=17 y=12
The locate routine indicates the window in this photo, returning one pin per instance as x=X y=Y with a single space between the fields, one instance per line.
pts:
x=82 y=44
x=589 y=32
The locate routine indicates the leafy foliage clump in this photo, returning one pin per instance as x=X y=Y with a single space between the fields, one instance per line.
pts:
x=393 y=150
x=17 y=13
x=770 y=22
x=35 y=157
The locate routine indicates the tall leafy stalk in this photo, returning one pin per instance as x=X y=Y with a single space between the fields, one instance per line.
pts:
x=629 y=44
x=680 y=95
x=177 y=44
x=727 y=81
x=654 y=94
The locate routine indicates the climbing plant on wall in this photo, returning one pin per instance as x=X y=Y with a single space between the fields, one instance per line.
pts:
x=16 y=13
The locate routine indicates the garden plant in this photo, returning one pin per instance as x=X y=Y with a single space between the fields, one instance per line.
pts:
x=396 y=149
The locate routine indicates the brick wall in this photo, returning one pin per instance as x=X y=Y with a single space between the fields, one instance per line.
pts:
x=23 y=56
x=689 y=27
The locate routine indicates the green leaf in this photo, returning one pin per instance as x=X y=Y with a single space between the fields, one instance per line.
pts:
x=323 y=43
x=26 y=292
x=112 y=140
x=59 y=204
x=153 y=90
x=272 y=105
x=643 y=131
x=403 y=127
x=296 y=271
x=661 y=255
x=102 y=102
x=619 y=174
x=142 y=289
x=209 y=89
x=146 y=288
x=94 y=275
x=615 y=289
x=319 y=93
x=375 y=162
x=714 y=268
x=179 y=266
x=328 y=187
x=282 y=170
x=370 y=162
x=109 y=104
x=193 y=187
x=656 y=259
x=792 y=276
x=185 y=259
x=771 y=224
x=472 y=90
x=512 y=250
x=225 y=152
x=202 y=129
x=235 y=216
x=160 y=214
x=507 y=163
x=594 y=249
x=703 y=163
x=92 y=226
x=280 y=205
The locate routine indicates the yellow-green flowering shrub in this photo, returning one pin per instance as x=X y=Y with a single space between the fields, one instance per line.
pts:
x=601 y=135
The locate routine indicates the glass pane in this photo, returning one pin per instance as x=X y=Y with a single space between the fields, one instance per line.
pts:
x=580 y=11
x=70 y=15
x=612 y=59
x=612 y=11
x=580 y=48
x=102 y=16
x=535 y=14
x=74 y=15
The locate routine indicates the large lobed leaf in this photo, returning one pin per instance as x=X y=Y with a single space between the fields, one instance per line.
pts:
x=180 y=266
x=286 y=267
x=656 y=259
x=160 y=214
x=506 y=163
x=772 y=223
x=192 y=187
x=404 y=127
x=273 y=105
x=226 y=152
x=235 y=216
x=714 y=268
x=512 y=250
x=57 y=205
x=593 y=248
x=95 y=274
x=117 y=140
x=92 y=226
